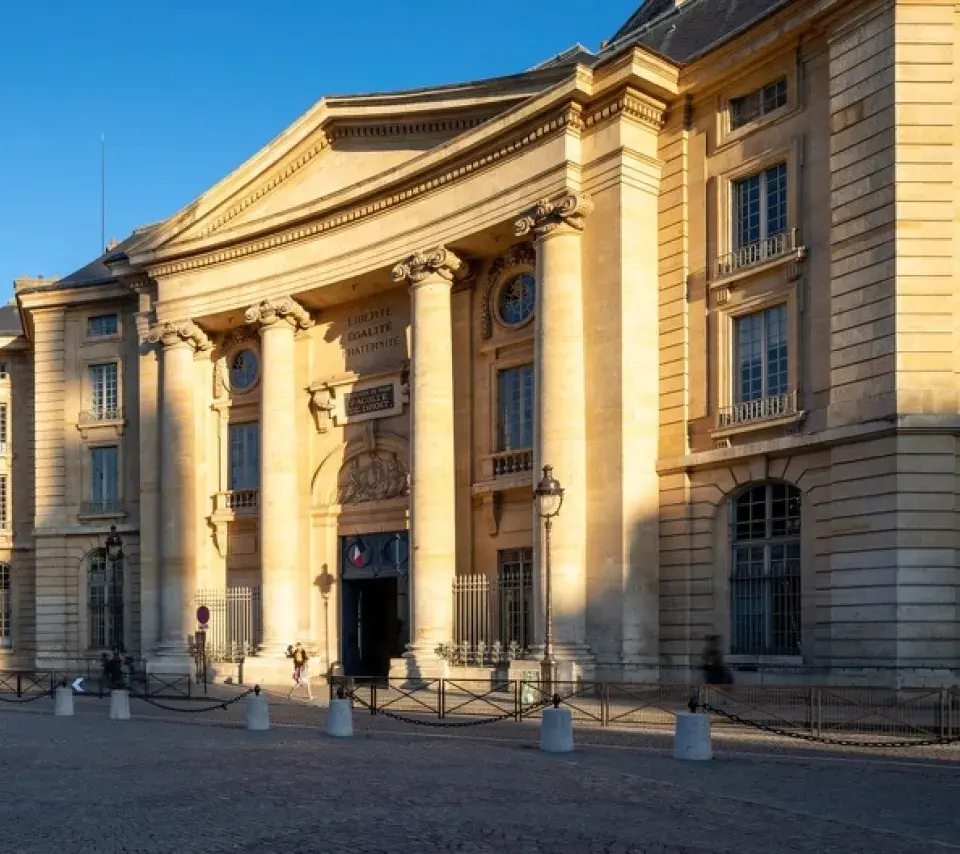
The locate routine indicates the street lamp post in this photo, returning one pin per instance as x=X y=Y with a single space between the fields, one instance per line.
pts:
x=115 y=557
x=548 y=499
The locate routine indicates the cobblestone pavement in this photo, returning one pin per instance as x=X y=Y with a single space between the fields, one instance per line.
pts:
x=89 y=784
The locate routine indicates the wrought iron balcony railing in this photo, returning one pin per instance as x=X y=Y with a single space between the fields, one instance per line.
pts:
x=761 y=409
x=758 y=252
x=99 y=506
x=238 y=500
x=506 y=463
x=101 y=413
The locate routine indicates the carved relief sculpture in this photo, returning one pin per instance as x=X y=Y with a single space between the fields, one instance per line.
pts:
x=570 y=209
x=377 y=479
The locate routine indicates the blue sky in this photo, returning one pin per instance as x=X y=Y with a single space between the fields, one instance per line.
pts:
x=185 y=91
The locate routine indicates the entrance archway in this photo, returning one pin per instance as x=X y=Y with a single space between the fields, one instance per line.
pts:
x=360 y=528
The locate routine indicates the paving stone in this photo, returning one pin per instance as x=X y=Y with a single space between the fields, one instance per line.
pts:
x=90 y=784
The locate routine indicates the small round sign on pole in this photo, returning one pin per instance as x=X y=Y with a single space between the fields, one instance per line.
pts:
x=203 y=615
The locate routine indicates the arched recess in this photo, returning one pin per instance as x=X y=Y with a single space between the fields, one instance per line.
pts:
x=361 y=487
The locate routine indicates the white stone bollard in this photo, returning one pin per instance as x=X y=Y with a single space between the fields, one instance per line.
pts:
x=340 y=719
x=556 y=731
x=692 y=738
x=119 y=705
x=63 y=702
x=256 y=714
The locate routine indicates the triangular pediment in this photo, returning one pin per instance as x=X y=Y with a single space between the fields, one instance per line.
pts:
x=339 y=144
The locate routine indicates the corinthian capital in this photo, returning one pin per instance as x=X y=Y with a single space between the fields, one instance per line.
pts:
x=570 y=209
x=440 y=262
x=285 y=310
x=179 y=332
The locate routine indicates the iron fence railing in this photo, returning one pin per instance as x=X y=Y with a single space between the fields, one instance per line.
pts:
x=492 y=617
x=93 y=681
x=828 y=712
x=236 y=621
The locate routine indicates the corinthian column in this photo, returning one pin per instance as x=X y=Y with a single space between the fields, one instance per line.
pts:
x=178 y=511
x=432 y=491
x=560 y=422
x=279 y=320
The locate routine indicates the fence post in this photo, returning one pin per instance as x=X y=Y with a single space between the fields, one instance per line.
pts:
x=943 y=713
x=517 y=703
x=604 y=704
x=373 y=698
x=442 y=698
x=19 y=684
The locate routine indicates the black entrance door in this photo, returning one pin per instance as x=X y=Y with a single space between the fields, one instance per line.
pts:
x=374 y=625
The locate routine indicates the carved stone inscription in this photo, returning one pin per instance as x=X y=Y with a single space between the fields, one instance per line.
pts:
x=370 y=331
x=379 y=398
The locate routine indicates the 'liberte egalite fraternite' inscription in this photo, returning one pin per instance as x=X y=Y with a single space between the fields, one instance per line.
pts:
x=370 y=331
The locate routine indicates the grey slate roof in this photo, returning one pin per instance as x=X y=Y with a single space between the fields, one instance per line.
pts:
x=683 y=33
x=10 y=320
x=97 y=272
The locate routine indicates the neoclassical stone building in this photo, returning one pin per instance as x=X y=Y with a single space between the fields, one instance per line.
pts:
x=707 y=274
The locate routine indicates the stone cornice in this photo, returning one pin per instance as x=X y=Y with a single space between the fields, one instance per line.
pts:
x=436 y=262
x=570 y=209
x=179 y=332
x=559 y=121
x=270 y=312
x=632 y=104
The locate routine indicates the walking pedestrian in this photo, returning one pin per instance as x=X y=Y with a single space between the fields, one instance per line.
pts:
x=715 y=672
x=301 y=669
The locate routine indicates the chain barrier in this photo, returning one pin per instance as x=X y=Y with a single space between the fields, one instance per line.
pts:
x=818 y=739
x=210 y=708
x=443 y=724
x=28 y=699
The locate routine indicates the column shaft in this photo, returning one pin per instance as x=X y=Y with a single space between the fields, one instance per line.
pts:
x=561 y=423
x=433 y=494
x=177 y=515
x=279 y=512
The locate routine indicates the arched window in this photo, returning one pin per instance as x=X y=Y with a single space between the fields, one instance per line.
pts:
x=765 y=577
x=105 y=610
x=6 y=608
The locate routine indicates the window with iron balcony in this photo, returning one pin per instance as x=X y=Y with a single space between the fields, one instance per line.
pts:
x=104 y=395
x=760 y=229
x=514 y=422
x=761 y=369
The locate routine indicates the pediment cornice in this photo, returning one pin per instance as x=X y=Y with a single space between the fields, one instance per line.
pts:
x=455 y=108
x=568 y=116
x=486 y=136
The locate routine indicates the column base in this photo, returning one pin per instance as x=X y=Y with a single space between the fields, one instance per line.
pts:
x=418 y=665
x=171 y=663
x=575 y=661
x=276 y=669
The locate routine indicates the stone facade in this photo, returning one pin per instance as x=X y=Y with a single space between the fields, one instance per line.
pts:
x=342 y=367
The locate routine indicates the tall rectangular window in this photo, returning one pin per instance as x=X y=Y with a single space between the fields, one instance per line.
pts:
x=760 y=206
x=515 y=585
x=758 y=103
x=515 y=408
x=245 y=455
x=105 y=478
x=3 y=428
x=103 y=390
x=761 y=342
x=4 y=503
x=101 y=326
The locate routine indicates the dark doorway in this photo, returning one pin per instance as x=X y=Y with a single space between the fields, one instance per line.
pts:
x=374 y=606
